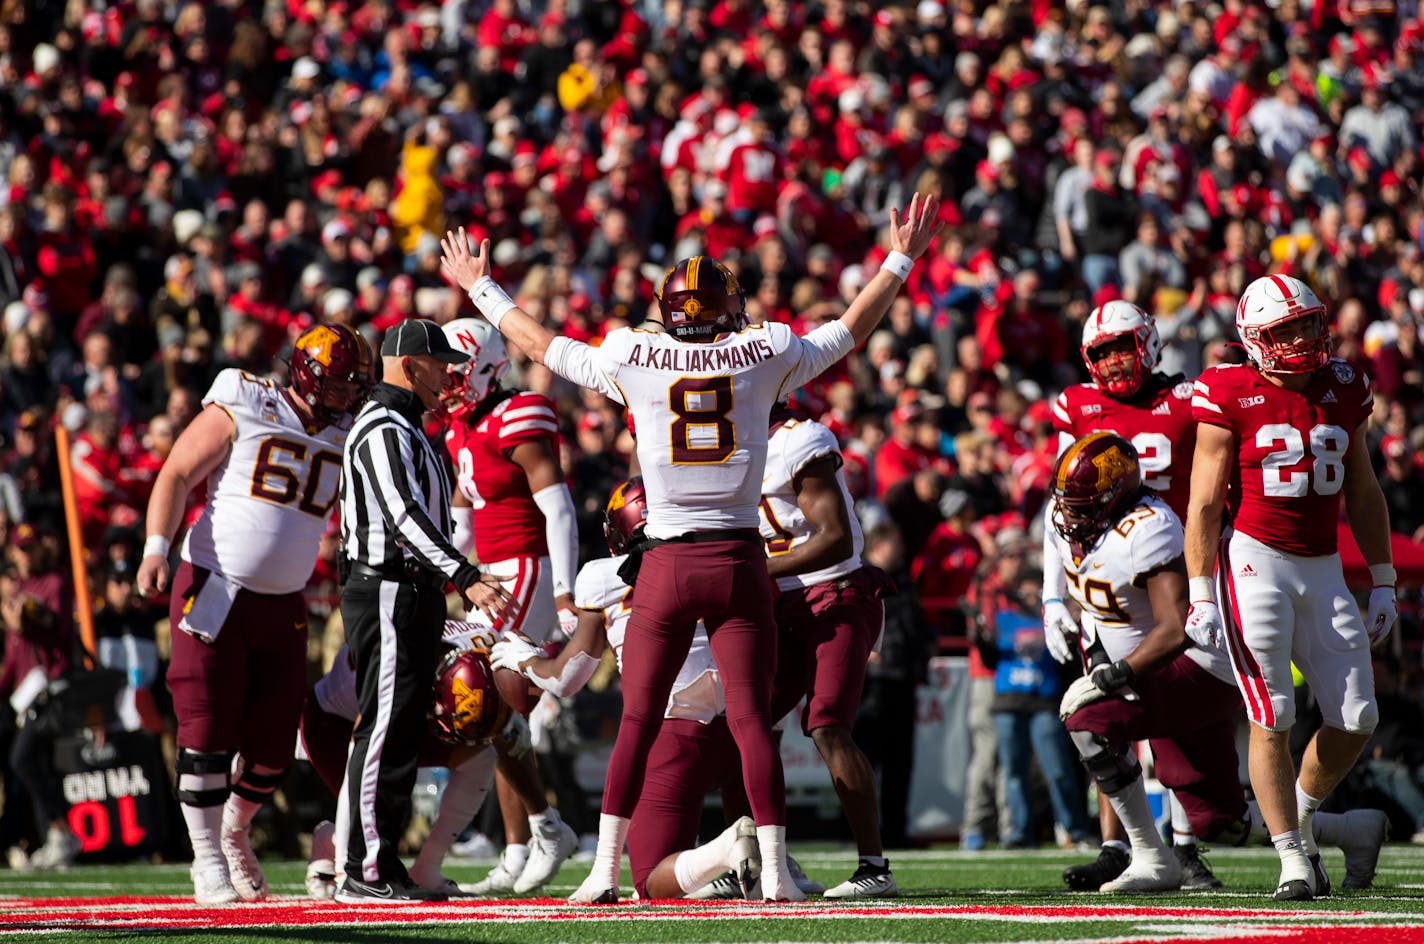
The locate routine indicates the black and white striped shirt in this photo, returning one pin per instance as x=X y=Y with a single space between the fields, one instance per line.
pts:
x=395 y=488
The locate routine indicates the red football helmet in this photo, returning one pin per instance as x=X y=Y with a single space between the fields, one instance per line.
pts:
x=626 y=515
x=700 y=298
x=466 y=709
x=332 y=371
x=1095 y=482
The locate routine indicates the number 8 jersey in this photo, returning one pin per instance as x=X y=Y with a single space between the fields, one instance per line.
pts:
x=1290 y=449
x=269 y=500
x=702 y=411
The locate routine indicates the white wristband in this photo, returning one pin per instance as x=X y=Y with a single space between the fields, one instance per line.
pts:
x=1382 y=575
x=1201 y=588
x=899 y=265
x=156 y=544
x=492 y=301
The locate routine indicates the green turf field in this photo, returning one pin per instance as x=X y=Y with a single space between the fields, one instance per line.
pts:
x=948 y=896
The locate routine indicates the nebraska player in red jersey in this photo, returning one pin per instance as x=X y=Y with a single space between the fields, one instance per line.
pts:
x=515 y=508
x=1153 y=411
x=1281 y=440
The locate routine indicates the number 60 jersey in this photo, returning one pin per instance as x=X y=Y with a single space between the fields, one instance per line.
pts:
x=268 y=501
x=1290 y=449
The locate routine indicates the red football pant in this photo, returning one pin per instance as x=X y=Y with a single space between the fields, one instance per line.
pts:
x=724 y=583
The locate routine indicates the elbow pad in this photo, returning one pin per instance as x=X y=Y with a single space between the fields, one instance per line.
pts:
x=577 y=672
x=561 y=533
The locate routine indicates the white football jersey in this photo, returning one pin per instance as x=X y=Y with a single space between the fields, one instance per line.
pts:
x=794 y=445
x=269 y=500
x=697 y=690
x=701 y=411
x=1104 y=584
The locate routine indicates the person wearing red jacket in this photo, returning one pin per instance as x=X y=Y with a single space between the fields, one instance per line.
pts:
x=752 y=170
x=902 y=456
x=64 y=257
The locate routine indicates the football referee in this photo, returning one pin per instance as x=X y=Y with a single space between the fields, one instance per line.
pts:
x=397 y=554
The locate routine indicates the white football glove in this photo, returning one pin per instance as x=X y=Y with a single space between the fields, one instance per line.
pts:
x=1101 y=682
x=510 y=651
x=1383 y=612
x=568 y=622
x=1060 y=631
x=515 y=736
x=1204 y=624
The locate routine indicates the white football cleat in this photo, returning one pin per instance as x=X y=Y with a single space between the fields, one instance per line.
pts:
x=599 y=888
x=724 y=887
x=867 y=882
x=59 y=851
x=1147 y=874
x=744 y=858
x=243 y=870
x=501 y=878
x=548 y=848
x=211 y=885
x=321 y=865
x=1366 y=831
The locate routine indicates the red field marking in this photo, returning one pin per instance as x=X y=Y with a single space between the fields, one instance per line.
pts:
x=163 y=912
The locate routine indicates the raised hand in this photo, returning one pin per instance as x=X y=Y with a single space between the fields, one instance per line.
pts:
x=459 y=263
x=913 y=234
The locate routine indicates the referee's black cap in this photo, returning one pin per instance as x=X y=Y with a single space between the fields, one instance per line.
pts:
x=416 y=337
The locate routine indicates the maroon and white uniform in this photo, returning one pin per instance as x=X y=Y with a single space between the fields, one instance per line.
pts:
x=694 y=751
x=829 y=619
x=1282 y=590
x=702 y=412
x=1194 y=751
x=511 y=540
x=238 y=671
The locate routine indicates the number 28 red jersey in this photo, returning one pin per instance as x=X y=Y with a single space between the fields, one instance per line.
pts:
x=508 y=523
x=1290 y=449
x=1160 y=428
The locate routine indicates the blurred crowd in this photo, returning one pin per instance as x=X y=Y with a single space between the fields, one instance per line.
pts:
x=189 y=185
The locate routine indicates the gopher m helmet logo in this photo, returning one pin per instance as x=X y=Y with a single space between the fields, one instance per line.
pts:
x=1111 y=466
x=469 y=702
x=318 y=343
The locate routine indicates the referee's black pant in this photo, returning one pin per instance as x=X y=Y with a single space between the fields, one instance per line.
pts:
x=393 y=630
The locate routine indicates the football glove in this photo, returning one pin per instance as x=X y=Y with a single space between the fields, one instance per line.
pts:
x=1383 y=612
x=1102 y=681
x=1060 y=631
x=1204 y=624
x=510 y=651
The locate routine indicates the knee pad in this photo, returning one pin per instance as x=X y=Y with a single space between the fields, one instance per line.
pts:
x=257 y=785
x=203 y=778
x=1114 y=769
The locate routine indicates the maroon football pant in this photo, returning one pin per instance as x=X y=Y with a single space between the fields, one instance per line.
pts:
x=1189 y=717
x=326 y=738
x=724 y=583
x=687 y=761
x=245 y=691
x=827 y=632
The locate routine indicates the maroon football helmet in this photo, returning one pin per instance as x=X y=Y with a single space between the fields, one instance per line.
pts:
x=332 y=371
x=700 y=298
x=626 y=515
x=1095 y=482
x=466 y=709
